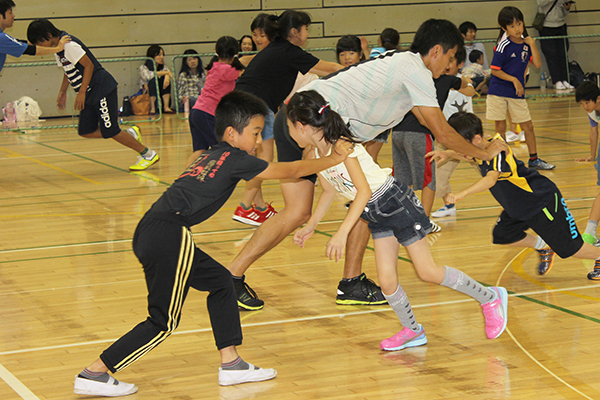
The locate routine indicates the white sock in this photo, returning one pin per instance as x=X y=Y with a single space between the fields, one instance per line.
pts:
x=591 y=227
x=149 y=154
x=540 y=244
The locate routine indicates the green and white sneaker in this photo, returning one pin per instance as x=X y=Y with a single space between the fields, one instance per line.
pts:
x=145 y=162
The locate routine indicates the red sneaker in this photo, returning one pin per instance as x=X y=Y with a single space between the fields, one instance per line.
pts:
x=250 y=217
x=268 y=213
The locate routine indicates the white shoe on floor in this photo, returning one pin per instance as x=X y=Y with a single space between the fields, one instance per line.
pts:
x=254 y=374
x=444 y=212
x=522 y=136
x=112 y=388
x=511 y=136
x=567 y=85
x=559 y=86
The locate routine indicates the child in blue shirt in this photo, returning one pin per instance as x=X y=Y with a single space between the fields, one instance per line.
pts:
x=16 y=48
x=506 y=91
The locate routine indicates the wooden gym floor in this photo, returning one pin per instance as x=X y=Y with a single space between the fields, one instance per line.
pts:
x=70 y=285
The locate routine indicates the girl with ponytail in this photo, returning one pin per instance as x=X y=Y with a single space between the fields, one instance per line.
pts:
x=395 y=216
x=271 y=76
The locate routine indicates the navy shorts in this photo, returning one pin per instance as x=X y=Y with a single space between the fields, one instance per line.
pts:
x=104 y=113
x=555 y=224
x=202 y=127
x=287 y=149
x=395 y=210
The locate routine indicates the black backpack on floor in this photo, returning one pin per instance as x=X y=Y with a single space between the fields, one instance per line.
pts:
x=576 y=74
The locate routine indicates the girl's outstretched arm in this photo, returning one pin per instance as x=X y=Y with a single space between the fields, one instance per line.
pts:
x=324 y=68
x=335 y=246
x=323 y=204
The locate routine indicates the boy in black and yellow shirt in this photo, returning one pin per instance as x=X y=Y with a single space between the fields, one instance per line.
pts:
x=530 y=200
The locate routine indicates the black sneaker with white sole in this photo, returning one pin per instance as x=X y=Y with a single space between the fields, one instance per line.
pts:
x=361 y=291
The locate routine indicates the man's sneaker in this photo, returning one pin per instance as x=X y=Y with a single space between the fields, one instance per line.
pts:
x=246 y=297
x=511 y=136
x=136 y=133
x=403 y=339
x=540 y=164
x=265 y=215
x=591 y=239
x=144 y=162
x=446 y=211
x=361 y=291
x=595 y=274
x=112 y=388
x=546 y=260
x=254 y=374
x=249 y=217
x=559 y=86
x=567 y=85
x=496 y=313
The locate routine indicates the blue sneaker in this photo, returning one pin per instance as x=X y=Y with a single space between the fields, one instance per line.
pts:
x=540 y=164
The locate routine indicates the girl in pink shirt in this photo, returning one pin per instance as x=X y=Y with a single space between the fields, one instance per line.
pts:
x=223 y=71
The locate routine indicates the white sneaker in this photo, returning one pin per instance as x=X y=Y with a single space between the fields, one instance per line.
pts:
x=559 y=86
x=435 y=228
x=511 y=136
x=567 y=85
x=254 y=374
x=522 y=136
x=112 y=388
x=444 y=212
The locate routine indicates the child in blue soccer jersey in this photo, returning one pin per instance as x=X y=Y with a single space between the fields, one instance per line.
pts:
x=96 y=89
x=506 y=91
x=588 y=97
x=530 y=200
x=16 y=48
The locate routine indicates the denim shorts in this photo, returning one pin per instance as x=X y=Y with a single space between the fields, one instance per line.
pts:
x=267 y=132
x=395 y=210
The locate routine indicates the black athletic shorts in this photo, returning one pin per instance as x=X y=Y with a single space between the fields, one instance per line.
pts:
x=104 y=113
x=555 y=224
x=287 y=149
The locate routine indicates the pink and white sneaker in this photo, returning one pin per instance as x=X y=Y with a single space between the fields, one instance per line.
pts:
x=403 y=339
x=496 y=313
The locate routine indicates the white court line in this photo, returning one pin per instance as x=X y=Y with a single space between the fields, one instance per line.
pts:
x=16 y=385
x=286 y=321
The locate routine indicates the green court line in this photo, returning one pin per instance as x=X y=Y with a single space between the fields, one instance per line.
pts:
x=558 y=308
x=85 y=158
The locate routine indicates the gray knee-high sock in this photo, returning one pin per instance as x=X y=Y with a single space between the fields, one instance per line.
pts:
x=401 y=306
x=458 y=280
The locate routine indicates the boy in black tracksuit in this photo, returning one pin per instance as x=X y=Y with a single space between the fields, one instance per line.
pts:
x=172 y=263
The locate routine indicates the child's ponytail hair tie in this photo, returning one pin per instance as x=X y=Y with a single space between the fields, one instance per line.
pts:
x=324 y=107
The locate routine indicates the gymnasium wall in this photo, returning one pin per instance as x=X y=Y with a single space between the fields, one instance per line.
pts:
x=117 y=28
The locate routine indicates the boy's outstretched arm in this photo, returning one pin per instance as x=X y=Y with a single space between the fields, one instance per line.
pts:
x=480 y=186
x=446 y=135
x=43 y=51
x=593 y=145
x=297 y=169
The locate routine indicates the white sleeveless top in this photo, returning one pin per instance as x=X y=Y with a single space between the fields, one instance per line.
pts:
x=339 y=177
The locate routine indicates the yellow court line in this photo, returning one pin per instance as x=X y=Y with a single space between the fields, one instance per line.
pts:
x=518 y=258
x=517 y=267
x=64 y=171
